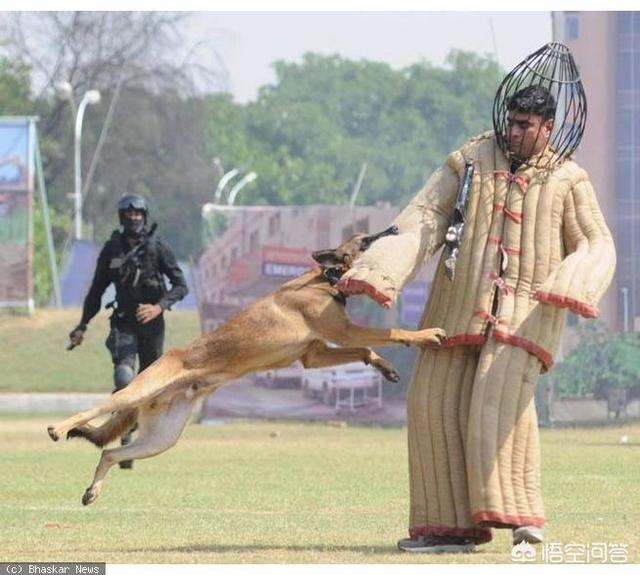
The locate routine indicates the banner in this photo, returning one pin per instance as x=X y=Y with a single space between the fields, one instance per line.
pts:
x=16 y=202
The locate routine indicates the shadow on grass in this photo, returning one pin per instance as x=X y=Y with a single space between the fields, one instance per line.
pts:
x=366 y=549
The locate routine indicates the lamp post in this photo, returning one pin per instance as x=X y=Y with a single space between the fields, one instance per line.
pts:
x=224 y=180
x=90 y=97
x=250 y=177
x=625 y=308
x=65 y=92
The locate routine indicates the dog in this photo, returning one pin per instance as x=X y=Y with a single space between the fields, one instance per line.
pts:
x=296 y=322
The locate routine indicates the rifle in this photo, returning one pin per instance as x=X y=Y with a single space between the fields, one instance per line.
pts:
x=453 y=237
x=125 y=269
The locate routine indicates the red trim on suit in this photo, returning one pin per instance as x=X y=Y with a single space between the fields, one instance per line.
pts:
x=353 y=286
x=584 y=309
x=533 y=348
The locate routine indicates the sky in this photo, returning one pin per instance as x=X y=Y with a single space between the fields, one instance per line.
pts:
x=247 y=43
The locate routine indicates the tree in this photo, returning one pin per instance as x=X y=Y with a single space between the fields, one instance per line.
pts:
x=161 y=74
x=601 y=361
x=308 y=135
x=161 y=154
x=15 y=88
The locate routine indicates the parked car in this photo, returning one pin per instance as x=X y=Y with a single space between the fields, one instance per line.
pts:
x=351 y=384
x=291 y=376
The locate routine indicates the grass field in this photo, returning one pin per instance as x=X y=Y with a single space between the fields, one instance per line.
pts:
x=33 y=353
x=281 y=493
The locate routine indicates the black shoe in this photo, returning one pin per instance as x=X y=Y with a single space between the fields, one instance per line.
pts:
x=437 y=544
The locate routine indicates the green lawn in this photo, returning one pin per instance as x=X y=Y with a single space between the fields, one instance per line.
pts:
x=281 y=493
x=34 y=358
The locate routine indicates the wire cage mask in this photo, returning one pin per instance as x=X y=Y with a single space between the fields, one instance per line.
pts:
x=547 y=84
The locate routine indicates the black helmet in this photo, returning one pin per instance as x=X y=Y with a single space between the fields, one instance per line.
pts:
x=132 y=201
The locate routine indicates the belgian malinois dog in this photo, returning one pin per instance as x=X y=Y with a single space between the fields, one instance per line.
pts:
x=295 y=322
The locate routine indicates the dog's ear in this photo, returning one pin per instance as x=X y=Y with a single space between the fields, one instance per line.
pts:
x=327 y=257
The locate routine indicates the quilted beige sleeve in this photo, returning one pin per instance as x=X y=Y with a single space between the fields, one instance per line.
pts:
x=392 y=261
x=586 y=272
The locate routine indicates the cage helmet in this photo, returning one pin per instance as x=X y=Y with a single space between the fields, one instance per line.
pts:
x=547 y=84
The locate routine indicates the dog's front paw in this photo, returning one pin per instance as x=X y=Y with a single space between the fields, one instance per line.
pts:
x=438 y=335
x=434 y=336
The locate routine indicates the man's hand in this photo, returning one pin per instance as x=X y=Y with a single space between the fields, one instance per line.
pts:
x=76 y=336
x=147 y=312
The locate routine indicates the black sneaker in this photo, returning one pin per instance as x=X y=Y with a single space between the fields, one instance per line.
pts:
x=437 y=544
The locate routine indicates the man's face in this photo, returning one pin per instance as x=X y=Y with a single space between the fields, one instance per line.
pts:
x=134 y=215
x=133 y=223
x=527 y=134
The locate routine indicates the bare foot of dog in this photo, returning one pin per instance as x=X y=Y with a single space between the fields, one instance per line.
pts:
x=90 y=495
x=53 y=434
x=428 y=337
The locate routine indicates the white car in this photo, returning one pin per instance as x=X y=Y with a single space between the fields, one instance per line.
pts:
x=351 y=384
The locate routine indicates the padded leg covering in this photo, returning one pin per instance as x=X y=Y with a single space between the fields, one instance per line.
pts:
x=503 y=467
x=438 y=405
x=123 y=375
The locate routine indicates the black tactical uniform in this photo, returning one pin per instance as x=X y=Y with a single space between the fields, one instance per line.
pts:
x=146 y=269
x=137 y=272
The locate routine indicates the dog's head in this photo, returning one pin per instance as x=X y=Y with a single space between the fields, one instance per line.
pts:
x=339 y=260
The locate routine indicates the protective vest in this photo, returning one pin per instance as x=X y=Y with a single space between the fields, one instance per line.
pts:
x=535 y=243
x=134 y=272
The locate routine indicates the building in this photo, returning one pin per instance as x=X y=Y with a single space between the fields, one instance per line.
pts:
x=606 y=47
x=262 y=248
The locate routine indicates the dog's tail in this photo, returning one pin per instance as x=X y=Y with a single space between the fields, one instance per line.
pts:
x=166 y=375
x=120 y=422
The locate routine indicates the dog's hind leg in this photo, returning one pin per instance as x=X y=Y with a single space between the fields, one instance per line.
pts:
x=159 y=428
x=166 y=371
x=321 y=355
x=120 y=422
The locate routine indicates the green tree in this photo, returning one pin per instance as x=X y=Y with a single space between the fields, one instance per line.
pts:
x=308 y=135
x=60 y=224
x=15 y=87
x=156 y=148
x=602 y=360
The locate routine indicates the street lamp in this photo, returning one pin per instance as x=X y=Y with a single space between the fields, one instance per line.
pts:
x=625 y=308
x=224 y=180
x=64 y=90
x=250 y=177
x=90 y=97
